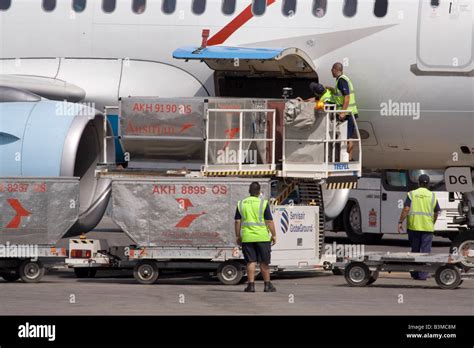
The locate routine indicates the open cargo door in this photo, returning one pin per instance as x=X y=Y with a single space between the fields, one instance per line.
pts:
x=255 y=72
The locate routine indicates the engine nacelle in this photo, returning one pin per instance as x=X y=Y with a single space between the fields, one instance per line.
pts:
x=334 y=202
x=50 y=139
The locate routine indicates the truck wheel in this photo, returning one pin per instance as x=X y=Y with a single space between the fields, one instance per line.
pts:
x=353 y=226
x=230 y=273
x=146 y=272
x=448 y=277
x=462 y=245
x=10 y=277
x=357 y=274
x=373 y=277
x=84 y=272
x=31 y=272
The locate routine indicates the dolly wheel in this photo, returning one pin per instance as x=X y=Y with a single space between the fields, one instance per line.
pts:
x=146 y=272
x=357 y=274
x=31 y=271
x=230 y=273
x=448 y=277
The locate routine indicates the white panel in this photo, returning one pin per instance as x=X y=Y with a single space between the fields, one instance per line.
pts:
x=297 y=239
x=445 y=38
x=39 y=67
x=391 y=209
x=98 y=77
x=32 y=32
x=159 y=80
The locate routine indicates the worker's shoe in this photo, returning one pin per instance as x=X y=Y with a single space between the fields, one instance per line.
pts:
x=250 y=287
x=269 y=287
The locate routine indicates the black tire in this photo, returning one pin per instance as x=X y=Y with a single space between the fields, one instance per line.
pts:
x=85 y=272
x=448 y=277
x=10 y=277
x=337 y=271
x=31 y=271
x=352 y=222
x=463 y=242
x=230 y=273
x=357 y=274
x=146 y=272
x=373 y=277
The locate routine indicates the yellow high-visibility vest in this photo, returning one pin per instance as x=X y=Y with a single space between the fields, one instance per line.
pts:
x=253 y=225
x=421 y=215
x=327 y=97
x=339 y=98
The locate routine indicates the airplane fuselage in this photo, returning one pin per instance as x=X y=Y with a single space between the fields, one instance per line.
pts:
x=412 y=69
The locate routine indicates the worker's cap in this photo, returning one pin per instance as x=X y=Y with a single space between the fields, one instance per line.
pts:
x=316 y=88
x=424 y=179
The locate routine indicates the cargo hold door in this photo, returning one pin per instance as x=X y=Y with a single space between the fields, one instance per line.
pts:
x=255 y=72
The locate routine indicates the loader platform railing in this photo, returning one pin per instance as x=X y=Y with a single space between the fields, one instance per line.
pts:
x=240 y=148
x=325 y=155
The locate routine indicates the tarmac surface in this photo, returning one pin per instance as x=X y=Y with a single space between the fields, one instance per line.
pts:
x=317 y=293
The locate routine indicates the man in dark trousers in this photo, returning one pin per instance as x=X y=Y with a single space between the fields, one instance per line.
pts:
x=253 y=220
x=422 y=209
x=344 y=97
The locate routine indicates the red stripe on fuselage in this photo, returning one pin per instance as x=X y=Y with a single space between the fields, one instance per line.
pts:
x=234 y=25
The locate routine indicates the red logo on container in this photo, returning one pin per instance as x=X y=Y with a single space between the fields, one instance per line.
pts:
x=188 y=219
x=20 y=212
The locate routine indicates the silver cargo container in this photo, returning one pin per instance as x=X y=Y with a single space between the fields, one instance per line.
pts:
x=179 y=212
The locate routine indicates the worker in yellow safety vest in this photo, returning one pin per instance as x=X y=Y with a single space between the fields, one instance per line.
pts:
x=322 y=95
x=344 y=97
x=422 y=209
x=253 y=221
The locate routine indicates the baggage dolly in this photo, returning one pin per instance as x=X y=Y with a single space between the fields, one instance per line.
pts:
x=364 y=270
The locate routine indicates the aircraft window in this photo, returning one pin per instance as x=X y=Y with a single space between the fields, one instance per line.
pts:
x=228 y=6
x=168 y=6
x=289 y=7
x=49 y=5
x=319 y=8
x=259 y=7
x=350 y=8
x=394 y=180
x=199 y=6
x=139 y=6
x=78 y=5
x=380 y=8
x=108 y=6
x=434 y=3
x=5 y=4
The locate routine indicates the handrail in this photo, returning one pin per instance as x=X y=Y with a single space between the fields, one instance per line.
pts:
x=241 y=139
